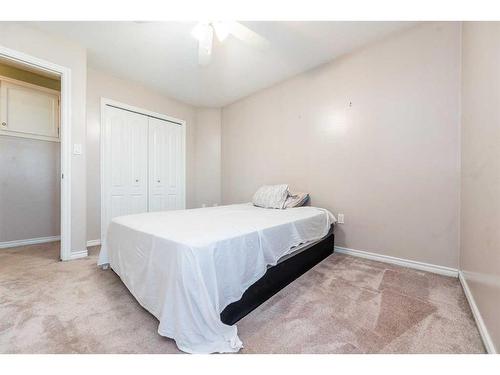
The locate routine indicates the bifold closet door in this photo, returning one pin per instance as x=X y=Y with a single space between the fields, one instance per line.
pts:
x=126 y=171
x=165 y=165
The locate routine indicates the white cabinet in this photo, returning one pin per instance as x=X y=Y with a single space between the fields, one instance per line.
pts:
x=142 y=162
x=28 y=111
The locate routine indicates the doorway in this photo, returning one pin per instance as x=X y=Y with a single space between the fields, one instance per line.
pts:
x=62 y=132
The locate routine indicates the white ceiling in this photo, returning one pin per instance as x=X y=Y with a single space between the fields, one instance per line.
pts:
x=163 y=55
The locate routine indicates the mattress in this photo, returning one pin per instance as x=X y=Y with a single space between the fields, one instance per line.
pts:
x=302 y=247
x=186 y=266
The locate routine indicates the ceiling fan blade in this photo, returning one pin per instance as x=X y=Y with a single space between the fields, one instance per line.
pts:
x=246 y=35
x=205 y=36
x=204 y=33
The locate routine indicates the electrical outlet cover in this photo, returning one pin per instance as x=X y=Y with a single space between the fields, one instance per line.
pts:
x=340 y=218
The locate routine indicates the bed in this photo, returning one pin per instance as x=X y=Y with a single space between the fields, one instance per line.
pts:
x=198 y=271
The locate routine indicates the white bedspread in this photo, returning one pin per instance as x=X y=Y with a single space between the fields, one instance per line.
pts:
x=186 y=266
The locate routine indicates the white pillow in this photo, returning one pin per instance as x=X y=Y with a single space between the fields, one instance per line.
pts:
x=271 y=196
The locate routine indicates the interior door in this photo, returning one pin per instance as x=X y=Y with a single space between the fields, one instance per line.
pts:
x=126 y=158
x=165 y=165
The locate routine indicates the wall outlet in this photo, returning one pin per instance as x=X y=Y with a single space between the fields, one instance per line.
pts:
x=340 y=218
x=215 y=204
x=203 y=205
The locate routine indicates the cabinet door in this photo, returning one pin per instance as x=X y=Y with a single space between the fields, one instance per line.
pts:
x=165 y=166
x=29 y=112
x=126 y=141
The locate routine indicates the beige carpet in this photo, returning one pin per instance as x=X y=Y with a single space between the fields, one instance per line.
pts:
x=343 y=305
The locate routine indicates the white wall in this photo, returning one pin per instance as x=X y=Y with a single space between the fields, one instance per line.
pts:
x=390 y=162
x=480 y=229
x=62 y=52
x=202 y=140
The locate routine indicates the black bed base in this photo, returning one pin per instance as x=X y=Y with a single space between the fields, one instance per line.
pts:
x=276 y=278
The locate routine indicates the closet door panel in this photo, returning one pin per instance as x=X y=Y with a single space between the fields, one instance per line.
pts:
x=157 y=165
x=138 y=163
x=174 y=157
x=126 y=163
x=175 y=180
x=118 y=139
x=165 y=150
x=118 y=205
x=156 y=202
x=172 y=202
x=172 y=162
x=137 y=204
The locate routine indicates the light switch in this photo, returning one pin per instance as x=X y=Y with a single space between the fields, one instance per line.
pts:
x=77 y=149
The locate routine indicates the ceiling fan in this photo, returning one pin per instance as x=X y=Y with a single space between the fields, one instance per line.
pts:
x=204 y=33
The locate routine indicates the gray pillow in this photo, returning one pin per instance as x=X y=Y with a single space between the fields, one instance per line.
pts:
x=296 y=200
x=271 y=196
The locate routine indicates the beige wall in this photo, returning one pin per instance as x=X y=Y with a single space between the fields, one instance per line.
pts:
x=208 y=157
x=29 y=188
x=480 y=195
x=390 y=162
x=59 y=51
x=198 y=147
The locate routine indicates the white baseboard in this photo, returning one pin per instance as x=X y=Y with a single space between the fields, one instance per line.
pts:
x=78 y=254
x=442 y=270
x=93 y=243
x=30 y=241
x=483 y=331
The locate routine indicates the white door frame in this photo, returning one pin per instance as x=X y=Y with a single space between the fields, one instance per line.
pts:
x=65 y=127
x=142 y=111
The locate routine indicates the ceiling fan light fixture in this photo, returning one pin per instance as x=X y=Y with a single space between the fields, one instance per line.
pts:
x=200 y=30
x=222 y=30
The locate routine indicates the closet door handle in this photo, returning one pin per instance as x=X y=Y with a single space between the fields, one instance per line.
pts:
x=4 y=123
x=136 y=180
x=158 y=181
